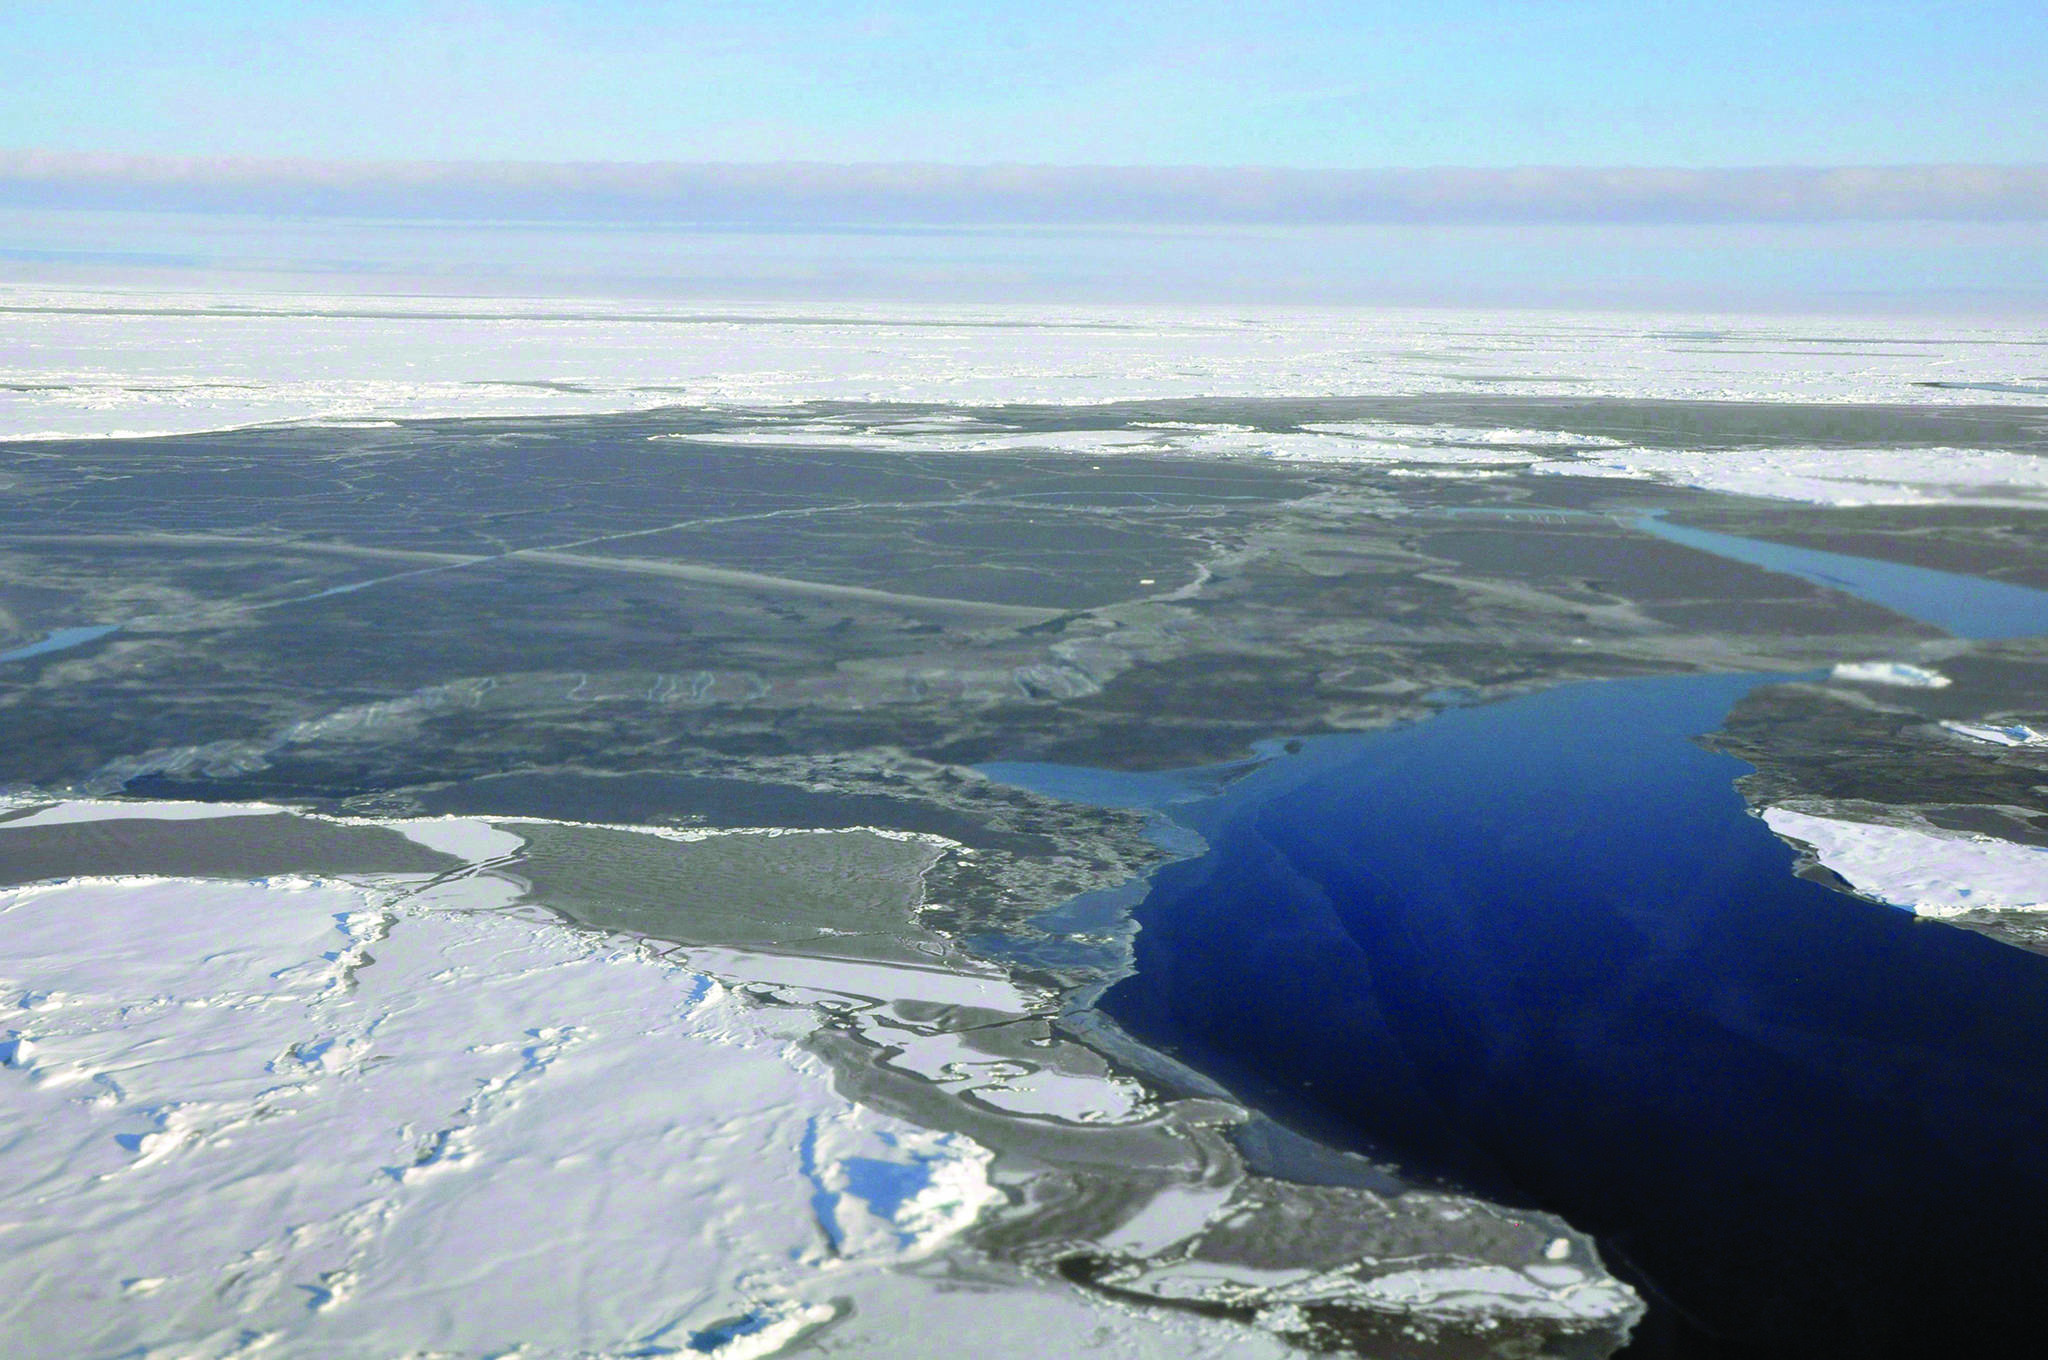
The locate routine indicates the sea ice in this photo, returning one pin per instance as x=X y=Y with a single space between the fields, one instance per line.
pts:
x=465 y=838
x=1535 y=1291
x=101 y=810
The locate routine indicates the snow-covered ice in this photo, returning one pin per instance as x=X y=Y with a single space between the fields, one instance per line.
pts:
x=1533 y=1291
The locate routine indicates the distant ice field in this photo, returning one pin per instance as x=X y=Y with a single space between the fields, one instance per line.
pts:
x=102 y=363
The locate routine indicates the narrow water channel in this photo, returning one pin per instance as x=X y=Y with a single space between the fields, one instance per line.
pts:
x=63 y=639
x=1967 y=606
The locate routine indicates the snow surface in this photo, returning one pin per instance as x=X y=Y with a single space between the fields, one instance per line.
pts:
x=365 y=1123
x=1931 y=873
x=1822 y=476
x=1418 y=444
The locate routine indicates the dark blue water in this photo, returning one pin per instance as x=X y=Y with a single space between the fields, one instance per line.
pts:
x=1539 y=949
x=1967 y=606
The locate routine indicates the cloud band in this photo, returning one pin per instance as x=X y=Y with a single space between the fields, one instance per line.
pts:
x=907 y=194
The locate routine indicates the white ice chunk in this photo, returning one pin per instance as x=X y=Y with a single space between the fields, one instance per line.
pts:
x=1540 y=1291
x=1397 y=433
x=883 y=1192
x=1933 y=873
x=1998 y=734
x=1035 y=1089
x=1898 y=673
x=863 y=980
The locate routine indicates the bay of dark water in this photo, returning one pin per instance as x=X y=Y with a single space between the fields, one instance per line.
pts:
x=1539 y=949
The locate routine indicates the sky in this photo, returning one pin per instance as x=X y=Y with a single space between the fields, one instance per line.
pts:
x=1335 y=84
x=1546 y=152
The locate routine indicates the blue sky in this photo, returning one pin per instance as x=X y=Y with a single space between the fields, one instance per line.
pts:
x=1360 y=84
x=122 y=125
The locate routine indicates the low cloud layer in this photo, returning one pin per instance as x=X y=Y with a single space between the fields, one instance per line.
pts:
x=897 y=195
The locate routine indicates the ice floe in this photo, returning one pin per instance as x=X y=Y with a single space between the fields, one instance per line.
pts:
x=1534 y=1291
x=330 y=1117
x=1932 y=873
x=466 y=838
x=1393 y=443
x=1481 y=437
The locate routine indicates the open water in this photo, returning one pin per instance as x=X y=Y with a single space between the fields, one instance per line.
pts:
x=1541 y=950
